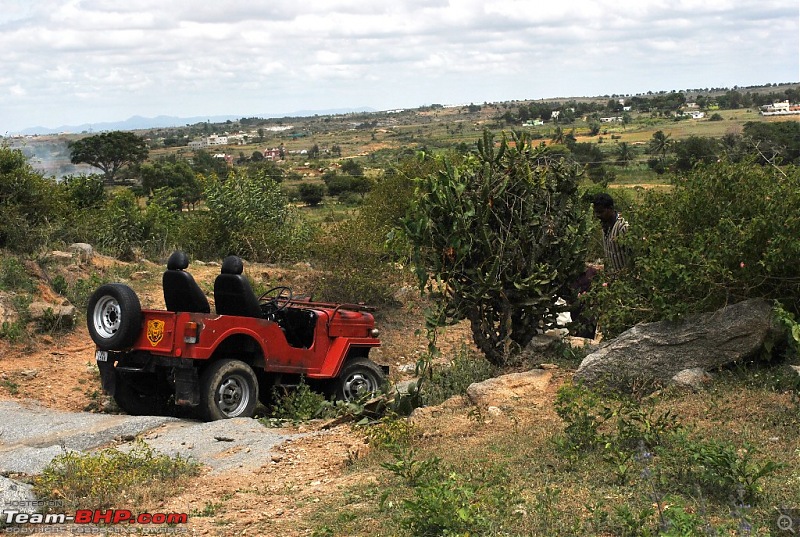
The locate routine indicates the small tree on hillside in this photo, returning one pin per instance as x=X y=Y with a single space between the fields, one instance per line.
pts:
x=109 y=151
x=497 y=238
x=311 y=193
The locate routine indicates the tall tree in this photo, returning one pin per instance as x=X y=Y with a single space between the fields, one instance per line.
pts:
x=109 y=151
x=625 y=154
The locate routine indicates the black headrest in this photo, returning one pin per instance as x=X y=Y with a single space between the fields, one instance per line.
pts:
x=177 y=261
x=232 y=265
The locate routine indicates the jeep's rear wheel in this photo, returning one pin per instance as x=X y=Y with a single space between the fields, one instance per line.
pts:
x=140 y=403
x=229 y=390
x=114 y=316
x=359 y=377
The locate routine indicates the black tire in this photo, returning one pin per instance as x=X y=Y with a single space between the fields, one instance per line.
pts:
x=114 y=317
x=228 y=389
x=141 y=403
x=358 y=377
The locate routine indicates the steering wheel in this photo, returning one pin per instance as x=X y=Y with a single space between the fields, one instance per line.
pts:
x=277 y=298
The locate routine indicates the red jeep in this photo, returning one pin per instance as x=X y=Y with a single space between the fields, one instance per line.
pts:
x=222 y=363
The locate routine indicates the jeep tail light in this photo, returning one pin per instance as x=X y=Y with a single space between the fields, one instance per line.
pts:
x=374 y=332
x=191 y=332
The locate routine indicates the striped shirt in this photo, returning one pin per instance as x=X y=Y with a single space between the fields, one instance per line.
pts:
x=616 y=254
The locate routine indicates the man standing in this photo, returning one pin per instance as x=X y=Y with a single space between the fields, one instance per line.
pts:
x=617 y=257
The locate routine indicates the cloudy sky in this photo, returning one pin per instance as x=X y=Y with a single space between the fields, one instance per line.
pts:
x=84 y=61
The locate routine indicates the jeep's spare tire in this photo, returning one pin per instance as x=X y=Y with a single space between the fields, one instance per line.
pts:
x=114 y=316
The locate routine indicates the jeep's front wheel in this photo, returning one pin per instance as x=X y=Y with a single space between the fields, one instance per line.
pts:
x=114 y=316
x=229 y=390
x=359 y=377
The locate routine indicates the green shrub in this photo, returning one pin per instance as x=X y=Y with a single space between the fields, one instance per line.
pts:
x=725 y=233
x=615 y=421
x=583 y=414
x=52 y=323
x=301 y=404
x=446 y=501
x=724 y=470
x=357 y=262
x=252 y=218
x=119 y=229
x=504 y=232
x=14 y=277
x=30 y=203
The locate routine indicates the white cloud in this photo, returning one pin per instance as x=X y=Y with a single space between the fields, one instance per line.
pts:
x=182 y=57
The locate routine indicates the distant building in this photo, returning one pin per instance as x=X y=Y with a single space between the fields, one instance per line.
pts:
x=227 y=158
x=780 y=109
x=208 y=141
x=272 y=154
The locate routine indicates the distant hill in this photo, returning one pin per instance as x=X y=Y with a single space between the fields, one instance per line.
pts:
x=139 y=122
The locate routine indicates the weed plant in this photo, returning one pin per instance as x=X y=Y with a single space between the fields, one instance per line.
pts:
x=113 y=478
x=467 y=367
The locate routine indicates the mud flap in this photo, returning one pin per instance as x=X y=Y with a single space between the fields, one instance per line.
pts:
x=108 y=377
x=187 y=387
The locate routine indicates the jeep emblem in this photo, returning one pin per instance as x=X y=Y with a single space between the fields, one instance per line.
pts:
x=155 y=331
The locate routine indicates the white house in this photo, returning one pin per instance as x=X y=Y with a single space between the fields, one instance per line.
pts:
x=196 y=145
x=780 y=109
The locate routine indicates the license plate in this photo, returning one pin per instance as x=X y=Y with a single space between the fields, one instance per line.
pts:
x=101 y=356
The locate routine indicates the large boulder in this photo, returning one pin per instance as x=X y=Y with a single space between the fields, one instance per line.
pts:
x=659 y=351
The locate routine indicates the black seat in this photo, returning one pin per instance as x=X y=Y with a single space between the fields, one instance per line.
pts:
x=299 y=325
x=181 y=292
x=232 y=292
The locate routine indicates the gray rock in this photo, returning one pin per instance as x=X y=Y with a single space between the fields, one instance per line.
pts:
x=693 y=378
x=17 y=496
x=64 y=314
x=32 y=435
x=659 y=351
x=84 y=250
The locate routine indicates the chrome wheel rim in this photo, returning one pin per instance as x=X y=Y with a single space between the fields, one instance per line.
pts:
x=233 y=395
x=107 y=317
x=357 y=384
